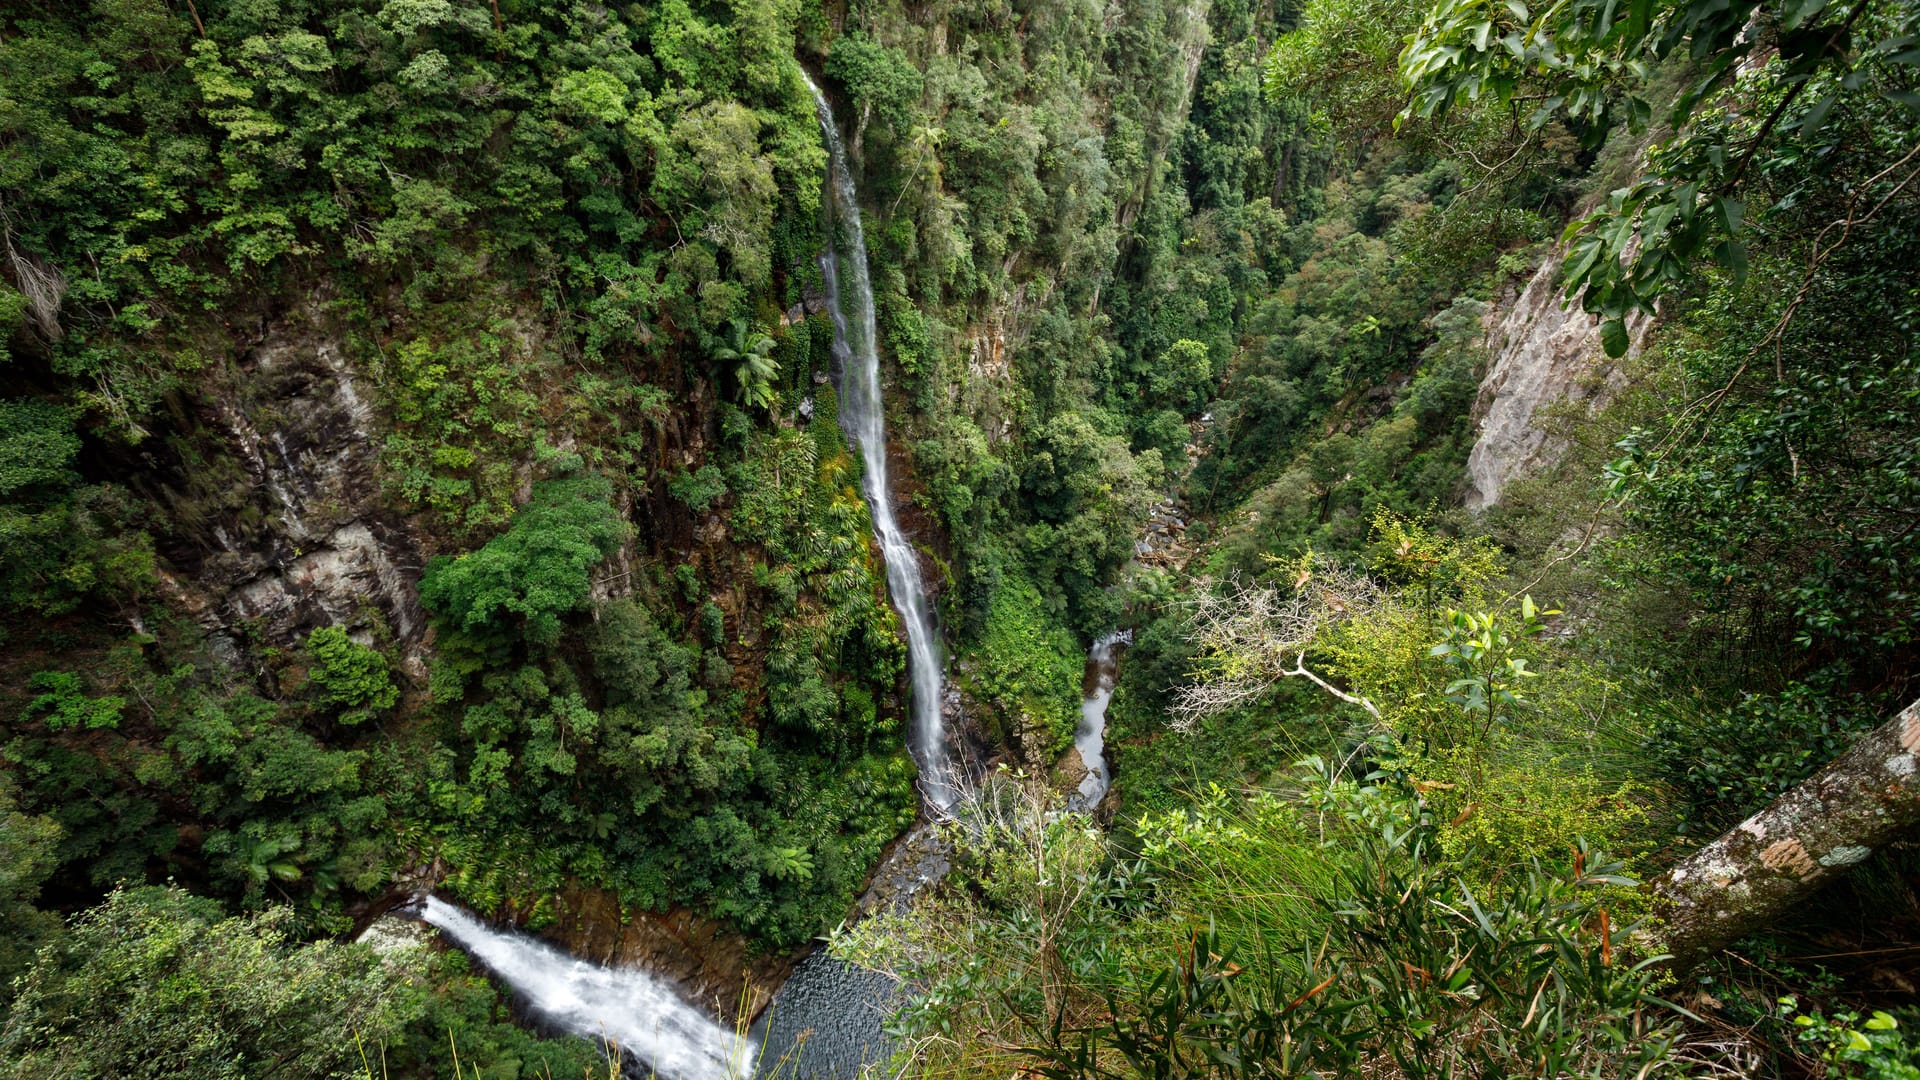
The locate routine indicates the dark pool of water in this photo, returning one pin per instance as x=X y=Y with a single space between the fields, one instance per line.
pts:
x=839 y=1009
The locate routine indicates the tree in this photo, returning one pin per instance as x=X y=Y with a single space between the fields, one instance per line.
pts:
x=1183 y=376
x=64 y=540
x=538 y=570
x=881 y=81
x=1589 y=62
x=28 y=854
x=349 y=676
x=154 y=982
x=1251 y=636
x=1866 y=798
x=748 y=350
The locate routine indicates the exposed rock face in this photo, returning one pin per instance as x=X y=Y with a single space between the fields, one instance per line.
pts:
x=713 y=966
x=913 y=862
x=279 y=525
x=1542 y=350
x=1070 y=770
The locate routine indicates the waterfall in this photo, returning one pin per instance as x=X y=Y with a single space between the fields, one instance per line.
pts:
x=863 y=418
x=635 y=1011
x=1103 y=669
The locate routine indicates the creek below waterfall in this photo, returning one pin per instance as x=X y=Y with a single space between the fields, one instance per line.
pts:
x=1090 y=737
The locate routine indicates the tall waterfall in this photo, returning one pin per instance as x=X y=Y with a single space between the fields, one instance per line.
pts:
x=863 y=417
x=630 y=1008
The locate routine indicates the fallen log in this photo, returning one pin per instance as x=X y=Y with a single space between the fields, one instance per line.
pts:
x=1748 y=877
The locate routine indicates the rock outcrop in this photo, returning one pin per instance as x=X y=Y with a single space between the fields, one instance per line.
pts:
x=710 y=965
x=276 y=519
x=1542 y=350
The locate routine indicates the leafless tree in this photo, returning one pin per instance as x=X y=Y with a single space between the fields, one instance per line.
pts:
x=43 y=287
x=1252 y=635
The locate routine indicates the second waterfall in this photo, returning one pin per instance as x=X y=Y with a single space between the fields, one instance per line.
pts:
x=863 y=417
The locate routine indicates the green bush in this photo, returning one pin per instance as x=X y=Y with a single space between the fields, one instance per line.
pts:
x=1730 y=760
x=538 y=571
x=1875 y=1048
x=699 y=489
x=350 y=678
x=64 y=705
x=1403 y=963
x=1027 y=668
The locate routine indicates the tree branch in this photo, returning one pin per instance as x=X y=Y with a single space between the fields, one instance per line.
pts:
x=1300 y=668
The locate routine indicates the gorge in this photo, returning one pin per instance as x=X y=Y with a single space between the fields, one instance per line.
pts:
x=1152 y=538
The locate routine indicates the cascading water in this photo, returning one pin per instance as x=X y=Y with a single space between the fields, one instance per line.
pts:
x=863 y=418
x=1103 y=669
x=635 y=1011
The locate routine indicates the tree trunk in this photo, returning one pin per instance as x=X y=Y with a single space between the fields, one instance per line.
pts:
x=1781 y=855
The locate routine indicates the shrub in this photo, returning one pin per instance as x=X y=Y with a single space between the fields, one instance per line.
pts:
x=349 y=676
x=66 y=706
x=1732 y=761
x=699 y=489
x=1876 y=1048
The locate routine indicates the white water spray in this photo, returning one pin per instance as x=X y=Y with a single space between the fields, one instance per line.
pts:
x=635 y=1011
x=1091 y=736
x=863 y=418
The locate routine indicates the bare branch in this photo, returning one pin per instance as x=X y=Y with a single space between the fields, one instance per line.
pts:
x=1300 y=668
x=43 y=286
x=1251 y=636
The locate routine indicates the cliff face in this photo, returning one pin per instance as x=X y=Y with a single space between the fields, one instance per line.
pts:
x=274 y=517
x=712 y=966
x=1542 y=350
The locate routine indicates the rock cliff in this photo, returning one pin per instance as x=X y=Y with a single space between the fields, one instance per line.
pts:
x=1542 y=349
x=272 y=507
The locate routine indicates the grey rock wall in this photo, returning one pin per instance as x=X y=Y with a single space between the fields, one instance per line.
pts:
x=1542 y=350
x=276 y=522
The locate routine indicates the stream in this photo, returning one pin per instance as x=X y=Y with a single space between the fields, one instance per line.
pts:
x=1103 y=670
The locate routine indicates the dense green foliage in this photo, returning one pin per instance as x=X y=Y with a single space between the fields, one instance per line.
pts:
x=476 y=200
x=1588 y=62
x=521 y=227
x=528 y=295
x=349 y=676
x=1027 y=669
x=155 y=983
x=1330 y=932
x=524 y=581
x=619 y=754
